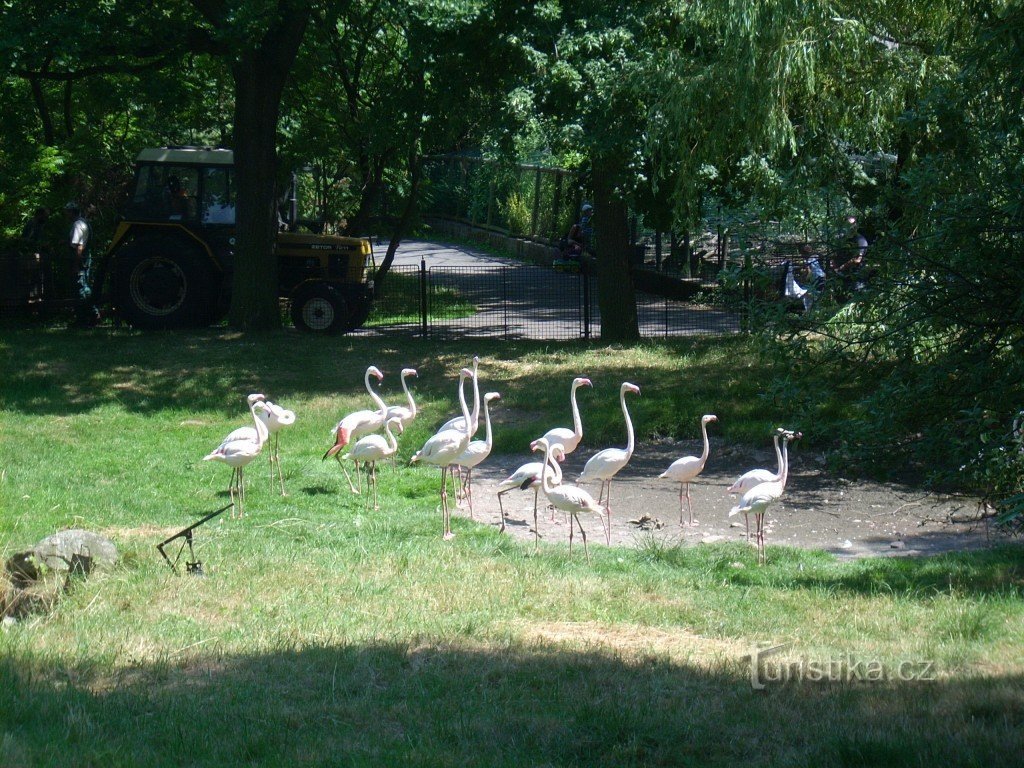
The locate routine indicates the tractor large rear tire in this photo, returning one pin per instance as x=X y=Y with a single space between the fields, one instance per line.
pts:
x=163 y=286
x=320 y=308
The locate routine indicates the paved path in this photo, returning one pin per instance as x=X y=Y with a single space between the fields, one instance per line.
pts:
x=516 y=300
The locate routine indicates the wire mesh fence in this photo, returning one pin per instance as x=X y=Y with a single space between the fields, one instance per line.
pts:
x=523 y=302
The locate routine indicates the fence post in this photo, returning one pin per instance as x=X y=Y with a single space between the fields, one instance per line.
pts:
x=423 y=297
x=504 y=299
x=536 y=205
x=585 y=277
x=556 y=218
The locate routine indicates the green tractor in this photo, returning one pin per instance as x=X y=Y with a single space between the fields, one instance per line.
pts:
x=171 y=259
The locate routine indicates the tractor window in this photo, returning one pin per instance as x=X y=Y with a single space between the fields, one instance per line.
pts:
x=165 y=192
x=218 y=204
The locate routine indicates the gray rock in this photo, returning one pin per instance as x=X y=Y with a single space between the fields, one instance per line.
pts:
x=82 y=549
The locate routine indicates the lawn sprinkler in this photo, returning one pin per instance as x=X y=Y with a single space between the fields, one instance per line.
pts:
x=193 y=567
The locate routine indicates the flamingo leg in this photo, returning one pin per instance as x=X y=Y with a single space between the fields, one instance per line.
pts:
x=467 y=490
x=536 y=529
x=345 y=470
x=373 y=479
x=681 y=503
x=445 y=514
x=501 y=511
x=231 y=492
x=760 y=538
x=241 y=493
x=608 y=513
x=583 y=533
x=746 y=520
x=277 y=461
x=689 y=509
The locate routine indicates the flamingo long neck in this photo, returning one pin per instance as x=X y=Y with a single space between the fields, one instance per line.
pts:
x=545 y=476
x=374 y=396
x=262 y=433
x=408 y=395
x=488 y=438
x=785 y=463
x=707 y=445
x=465 y=408
x=556 y=471
x=392 y=440
x=474 y=421
x=778 y=455
x=577 y=423
x=629 y=422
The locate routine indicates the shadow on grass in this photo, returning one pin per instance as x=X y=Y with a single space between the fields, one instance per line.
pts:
x=434 y=704
x=998 y=571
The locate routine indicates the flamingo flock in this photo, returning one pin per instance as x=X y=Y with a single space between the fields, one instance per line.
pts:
x=453 y=450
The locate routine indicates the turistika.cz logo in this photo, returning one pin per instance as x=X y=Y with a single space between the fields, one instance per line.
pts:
x=766 y=669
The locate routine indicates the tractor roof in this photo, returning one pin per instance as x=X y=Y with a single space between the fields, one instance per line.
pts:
x=187 y=155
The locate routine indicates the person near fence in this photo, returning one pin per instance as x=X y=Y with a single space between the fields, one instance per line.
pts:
x=81 y=263
x=815 y=280
x=850 y=265
x=575 y=243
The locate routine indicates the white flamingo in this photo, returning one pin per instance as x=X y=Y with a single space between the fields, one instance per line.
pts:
x=605 y=464
x=405 y=414
x=477 y=451
x=275 y=418
x=473 y=420
x=529 y=476
x=568 y=498
x=569 y=439
x=358 y=423
x=373 y=448
x=756 y=476
x=444 y=448
x=237 y=450
x=757 y=500
x=685 y=470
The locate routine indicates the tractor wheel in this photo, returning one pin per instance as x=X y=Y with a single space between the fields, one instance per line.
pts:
x=162 y=287
x=320 y=308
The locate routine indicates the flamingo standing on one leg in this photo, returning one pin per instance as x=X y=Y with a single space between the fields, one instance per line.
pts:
x=569 y=439
x=373 y=448
x=444 y=448
x=359 y=423
x=529 y=476
x=685 y=470
x=754 y=477
x=237 y=450
x=605 y=464
x=567 y=498
x=276 y=418
x=405 y=414
x=758 y=499
x=477 y=451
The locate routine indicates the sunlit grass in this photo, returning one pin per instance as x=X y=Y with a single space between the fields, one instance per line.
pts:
x=323 y=633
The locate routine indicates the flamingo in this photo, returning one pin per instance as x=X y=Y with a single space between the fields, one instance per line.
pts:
x=460 y=422
x=358 y=423
x=755 y=477
x=401 y=412
x=373 y=448
x=757 y=500
x=529 y=476
x=444 y=448
x=477 y=451
x=605 y=464
x=569 y=439
x=276 y=418
x=239 y=448
x=685 y=470
x=567 y=498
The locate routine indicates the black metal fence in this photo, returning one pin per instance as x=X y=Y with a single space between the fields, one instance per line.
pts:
x=523 y=302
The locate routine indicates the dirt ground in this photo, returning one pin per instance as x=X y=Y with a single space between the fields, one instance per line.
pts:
x=818 y=511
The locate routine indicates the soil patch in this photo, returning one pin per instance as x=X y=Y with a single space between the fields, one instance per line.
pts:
x=818 y=511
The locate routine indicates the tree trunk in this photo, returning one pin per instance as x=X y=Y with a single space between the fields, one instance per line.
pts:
x=616 y=296
x=260 y=76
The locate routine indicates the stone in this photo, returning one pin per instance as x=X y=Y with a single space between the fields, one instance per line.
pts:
x=76 y=548
x=897 y=545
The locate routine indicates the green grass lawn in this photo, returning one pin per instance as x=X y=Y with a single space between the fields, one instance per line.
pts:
x=326 y=635
x=398 y=302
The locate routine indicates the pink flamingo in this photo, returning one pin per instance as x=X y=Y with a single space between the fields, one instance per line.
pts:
x=237 y=450
x=569 y=439
x=758 y=499
x=568 y=498
x=359 y=423
x=529 y=476
x=685 y=470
